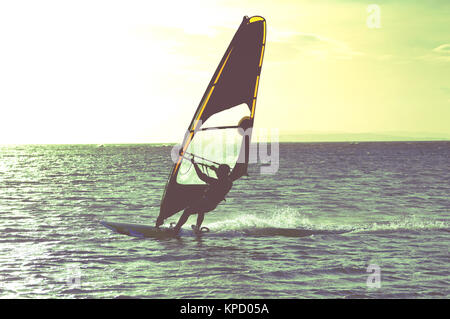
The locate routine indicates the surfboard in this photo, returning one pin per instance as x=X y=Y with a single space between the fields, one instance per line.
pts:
x=147 y=231
x=139 y=230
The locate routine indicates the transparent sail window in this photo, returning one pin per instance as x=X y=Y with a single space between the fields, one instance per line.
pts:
x=211 y=147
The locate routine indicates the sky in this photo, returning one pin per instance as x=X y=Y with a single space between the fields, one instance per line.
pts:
x=135 y=71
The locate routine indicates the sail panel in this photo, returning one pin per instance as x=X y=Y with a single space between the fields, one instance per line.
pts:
x=237 y=81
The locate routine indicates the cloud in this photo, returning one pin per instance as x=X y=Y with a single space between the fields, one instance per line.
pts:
x=443 y=49
x=439 y=54
x=290 y=44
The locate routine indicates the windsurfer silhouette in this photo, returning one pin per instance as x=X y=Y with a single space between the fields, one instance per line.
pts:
x=216 y=191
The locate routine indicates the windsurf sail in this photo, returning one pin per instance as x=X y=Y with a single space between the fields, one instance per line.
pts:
x=220 y=131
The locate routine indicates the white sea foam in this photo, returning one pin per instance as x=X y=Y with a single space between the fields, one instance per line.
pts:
x=409 y=223
x=293 y=218
x=280 y=218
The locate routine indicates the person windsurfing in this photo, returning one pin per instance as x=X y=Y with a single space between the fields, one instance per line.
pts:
x=216 y=191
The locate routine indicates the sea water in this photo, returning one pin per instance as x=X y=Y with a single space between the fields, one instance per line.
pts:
x=373 y=221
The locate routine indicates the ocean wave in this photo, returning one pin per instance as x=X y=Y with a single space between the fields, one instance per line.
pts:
x=292 y=223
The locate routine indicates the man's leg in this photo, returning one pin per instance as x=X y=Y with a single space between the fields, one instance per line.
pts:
x=183 y=219
x=200 y=218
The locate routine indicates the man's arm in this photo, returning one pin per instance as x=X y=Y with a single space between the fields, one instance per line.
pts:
x=201 y=175
x=239 y=170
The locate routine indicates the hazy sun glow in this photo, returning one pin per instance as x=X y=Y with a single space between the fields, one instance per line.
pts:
x=135 y=71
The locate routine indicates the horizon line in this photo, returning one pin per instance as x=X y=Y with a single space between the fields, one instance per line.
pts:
x=281 y=141
x=290 y=137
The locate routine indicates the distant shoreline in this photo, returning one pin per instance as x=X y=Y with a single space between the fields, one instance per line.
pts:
x=281 y=142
